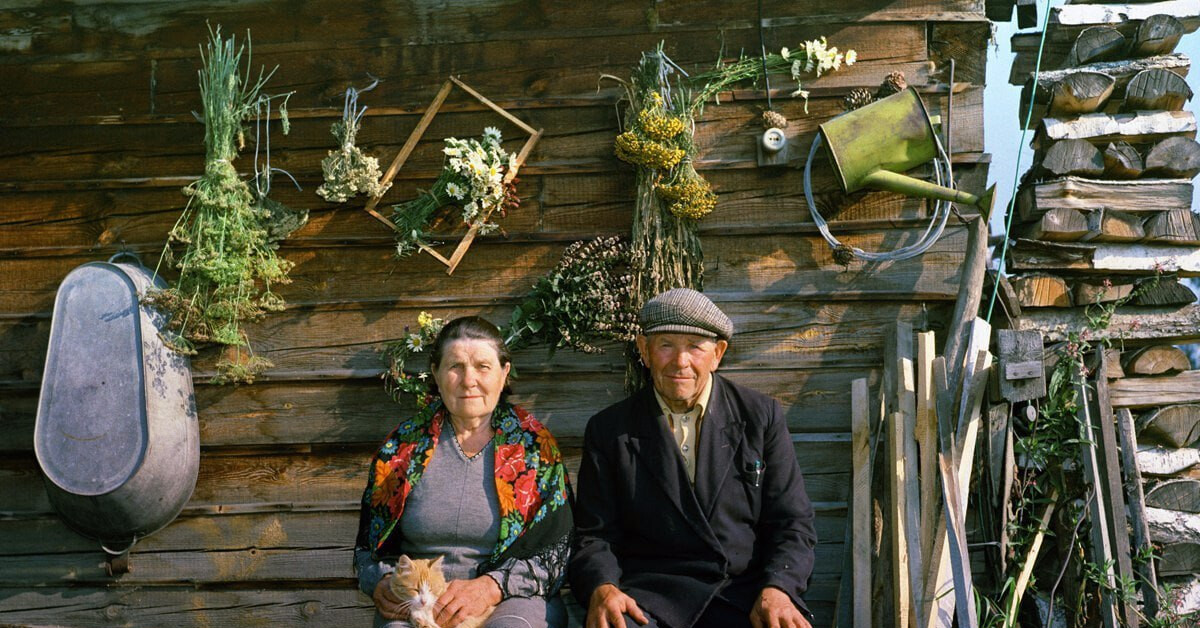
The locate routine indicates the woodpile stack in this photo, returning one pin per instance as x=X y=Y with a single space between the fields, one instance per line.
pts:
x=1103 y=229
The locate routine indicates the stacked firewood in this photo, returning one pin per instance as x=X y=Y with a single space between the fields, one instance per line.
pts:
x=1103 y=230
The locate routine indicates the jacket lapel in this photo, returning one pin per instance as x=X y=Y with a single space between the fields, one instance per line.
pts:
x=657 y=451
x=721 y=434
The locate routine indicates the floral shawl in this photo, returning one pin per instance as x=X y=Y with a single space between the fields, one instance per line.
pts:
x=531 y=481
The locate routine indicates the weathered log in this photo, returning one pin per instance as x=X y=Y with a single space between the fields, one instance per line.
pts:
x=1144 y=392
x=1165 y=462
x=1156 y=35
x=1088 y=291
x=1180 y=494
x=1139 y=528
x=1170 y=525
x=1097 y=80
x=1060 y=224
x=1103 y=257
x=1142 y=195
x=1142 y=127
x=1112 y=364
x=1122 y=161
x=1155 y=360
x=1041 y=290
x=1176 y=226
x=1179 y=559
x=1080 y=92
x=1165 y=291
x=1156 y=89
x=1108 y=225
x=1115 y=14
x=1072 y=157
x=1174 y=426
x=1129 y=324
x=1098 y=43
x=1175 y=158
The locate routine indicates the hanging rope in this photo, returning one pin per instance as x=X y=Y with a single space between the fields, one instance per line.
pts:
x=1012 y=201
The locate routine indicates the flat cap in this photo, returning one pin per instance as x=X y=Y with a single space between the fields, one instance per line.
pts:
x=684 y=311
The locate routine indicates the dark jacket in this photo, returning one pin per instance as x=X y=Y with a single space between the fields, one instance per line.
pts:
x=747 y=524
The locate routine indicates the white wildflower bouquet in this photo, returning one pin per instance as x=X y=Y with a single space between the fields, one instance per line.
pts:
x=399 y=353
x=473 y=178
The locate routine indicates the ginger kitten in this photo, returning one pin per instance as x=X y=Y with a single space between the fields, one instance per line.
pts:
x=419 y=583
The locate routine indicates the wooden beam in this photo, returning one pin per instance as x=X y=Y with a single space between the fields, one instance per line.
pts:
x=1097 y=505
x=1145 y=392
x=1160 y=461
x=1106 y=258
x=1137 y=511
x=1128 y=324
x=900 y=349
x=1035 y=548
x=1143 y=195
x=860 y=511
x=1113 y=491
x=927 y=436
x=1101 y=128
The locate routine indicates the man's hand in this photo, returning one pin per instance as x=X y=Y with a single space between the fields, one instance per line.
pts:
x=390 y=606
x=774 y=609
x=607 y=606
x=464 y=599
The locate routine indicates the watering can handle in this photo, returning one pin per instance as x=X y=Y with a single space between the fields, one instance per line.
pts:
x=130 y=254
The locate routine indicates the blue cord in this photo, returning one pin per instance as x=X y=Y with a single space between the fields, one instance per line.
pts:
x=1012 y=201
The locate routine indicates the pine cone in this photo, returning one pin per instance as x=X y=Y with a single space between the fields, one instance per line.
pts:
x=774 y=120
x=893 y=83
x=843 y=255
x=857 y=98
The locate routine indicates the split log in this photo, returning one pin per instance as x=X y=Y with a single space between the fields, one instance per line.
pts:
x=1122 y=161
x=1143 y=195
x=1169 y=526
x=1165 y=291
x=1182 y=495
x=1060 y=224
x=1179 y=559
x=1156 y=360
x=1184 y=597
x=1156 y=35
x=1083 y=15
x=1144 y=392
x=1103 y=257
x=1165 y=462
x=1108 y=225
x=1174 y=426
x=1156 y=89
x=1176 y=226
x=1091 y=85
x=1112 y=364
x=1041 y=290
x=1072 y=157
x=1088 y=292
x=1098 y=43
x=1174 y=158
x=1129 y=324
x=1140 y=127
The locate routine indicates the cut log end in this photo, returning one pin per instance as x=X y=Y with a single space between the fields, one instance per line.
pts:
x=1042 y=290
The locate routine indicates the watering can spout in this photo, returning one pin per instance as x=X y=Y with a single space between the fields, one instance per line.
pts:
x=893 y=182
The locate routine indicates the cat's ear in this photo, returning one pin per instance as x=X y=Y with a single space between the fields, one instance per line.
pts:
x=404 y=563
x=437 y=563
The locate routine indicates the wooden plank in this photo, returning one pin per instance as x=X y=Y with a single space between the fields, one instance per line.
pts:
x=1113 y=491
x=1134 y=325
x=927 y=437
x=1102 y=128
x=1143 y=392
x=1016 y=347
x=900 y=353
x=1108 y=258
x=861 y=502
x=1091 y=194
x=1137 y=510
x=1098 y=508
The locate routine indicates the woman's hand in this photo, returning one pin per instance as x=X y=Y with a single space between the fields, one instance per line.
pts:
x=390 y=606
x=464 y=599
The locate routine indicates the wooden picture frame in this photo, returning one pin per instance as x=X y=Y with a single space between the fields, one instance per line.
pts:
x=411 y=144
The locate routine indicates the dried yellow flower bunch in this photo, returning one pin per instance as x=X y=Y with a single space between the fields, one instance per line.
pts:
x=690 y=195
x=651 y=139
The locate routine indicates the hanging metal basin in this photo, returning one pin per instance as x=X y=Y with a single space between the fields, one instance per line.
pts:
x=116 y=433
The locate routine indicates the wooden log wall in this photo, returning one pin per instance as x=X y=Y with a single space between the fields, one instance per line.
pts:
x=99 y=136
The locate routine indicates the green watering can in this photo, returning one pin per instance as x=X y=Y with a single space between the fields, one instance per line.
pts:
x=870 y=146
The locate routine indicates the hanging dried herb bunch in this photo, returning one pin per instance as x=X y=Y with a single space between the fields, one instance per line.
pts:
x=474 y=177
x=397 y=356
x=348 y=171
x=814 y=57
x=226 y=259
x=585 y=300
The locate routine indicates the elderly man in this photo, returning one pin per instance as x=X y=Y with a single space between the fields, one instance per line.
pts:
x=691 y=510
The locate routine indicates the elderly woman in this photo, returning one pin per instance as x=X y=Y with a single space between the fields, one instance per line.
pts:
x=476 y=480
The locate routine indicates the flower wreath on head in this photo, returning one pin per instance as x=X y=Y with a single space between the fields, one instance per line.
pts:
x=531 y=481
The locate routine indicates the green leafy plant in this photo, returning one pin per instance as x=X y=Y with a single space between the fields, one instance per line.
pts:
x=222 y=243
